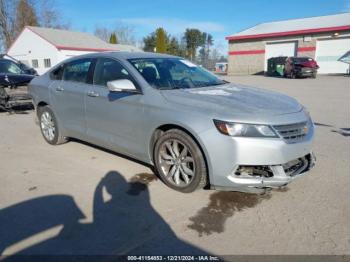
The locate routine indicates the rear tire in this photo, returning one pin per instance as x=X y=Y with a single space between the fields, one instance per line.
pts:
x=180 y=162
x=49 y=126
x=292 y=75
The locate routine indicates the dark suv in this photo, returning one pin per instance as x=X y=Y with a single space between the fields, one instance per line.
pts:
x=300 y=67
x=14 y=77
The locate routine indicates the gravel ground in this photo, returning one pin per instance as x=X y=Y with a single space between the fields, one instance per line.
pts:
x=79 y=199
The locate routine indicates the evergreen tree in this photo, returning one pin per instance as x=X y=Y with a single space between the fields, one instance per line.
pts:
x=113 y=39
x=194 y=39
x=174 y=48
x=149 y=42
x=161 y=40
x=207 y=42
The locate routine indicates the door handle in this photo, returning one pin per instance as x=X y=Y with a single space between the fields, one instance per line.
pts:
x=92 y=94
x=59 y=89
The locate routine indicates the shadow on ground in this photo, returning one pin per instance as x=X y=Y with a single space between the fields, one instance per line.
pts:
x=221 y=206
x=23 y=110
x=125 y=224
x=321 y=124
x=343 y=131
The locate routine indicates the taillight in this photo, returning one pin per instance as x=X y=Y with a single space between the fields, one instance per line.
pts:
x=311 y=64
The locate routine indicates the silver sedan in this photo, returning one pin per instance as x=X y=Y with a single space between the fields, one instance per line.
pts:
x=197 y=130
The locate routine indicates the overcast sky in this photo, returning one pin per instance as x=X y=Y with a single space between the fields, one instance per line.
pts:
x=218 y=17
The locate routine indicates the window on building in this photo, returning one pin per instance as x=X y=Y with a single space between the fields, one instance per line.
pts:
x=35 y=63
x=77 y=70
x=47 y=62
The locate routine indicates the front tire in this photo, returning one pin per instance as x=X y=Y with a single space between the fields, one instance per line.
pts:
x=180 y=162
x=49 y=126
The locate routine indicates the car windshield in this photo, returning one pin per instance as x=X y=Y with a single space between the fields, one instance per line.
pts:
x=7 y=66
x=174 y=73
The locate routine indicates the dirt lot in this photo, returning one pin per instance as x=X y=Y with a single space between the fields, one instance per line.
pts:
x=76 y=198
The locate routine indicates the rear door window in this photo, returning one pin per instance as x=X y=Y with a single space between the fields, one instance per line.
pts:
x=77 y=71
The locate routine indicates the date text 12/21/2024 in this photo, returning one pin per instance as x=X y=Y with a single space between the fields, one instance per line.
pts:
x=173 y=258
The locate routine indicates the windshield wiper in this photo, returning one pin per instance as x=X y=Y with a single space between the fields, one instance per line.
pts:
x=170 y=88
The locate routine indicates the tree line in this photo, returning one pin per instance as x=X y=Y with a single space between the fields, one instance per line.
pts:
x=193 y=44
x=16 y=14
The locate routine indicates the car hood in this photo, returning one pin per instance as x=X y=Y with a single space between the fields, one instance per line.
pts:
x=234 y=100
x=15 y=79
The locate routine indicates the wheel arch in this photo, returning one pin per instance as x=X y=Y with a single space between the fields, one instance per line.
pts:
x=165 y=127
x=39 y=105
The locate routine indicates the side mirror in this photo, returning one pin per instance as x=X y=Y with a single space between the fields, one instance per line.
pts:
x=121 y=85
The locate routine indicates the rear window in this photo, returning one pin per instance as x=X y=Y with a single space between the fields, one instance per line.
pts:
x=77 y=71
x=302 y=59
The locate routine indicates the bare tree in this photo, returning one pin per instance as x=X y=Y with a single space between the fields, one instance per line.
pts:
x=7 y=22
x=16 y=14
x=49 y=15
x=103 y=33
x=124 y=33
x=25 y=15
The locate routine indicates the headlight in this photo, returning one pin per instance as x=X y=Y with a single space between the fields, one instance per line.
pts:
x=309 y=121
x=244 y=130
x=307 y=112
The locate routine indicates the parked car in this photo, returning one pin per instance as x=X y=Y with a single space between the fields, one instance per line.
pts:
x=275 y=66
x=221 y=67
x=196 y=129
x=300 y=67
x=12 y=76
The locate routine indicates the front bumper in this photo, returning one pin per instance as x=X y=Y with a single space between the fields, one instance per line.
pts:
x=276 y=175
x=306 y=72
x=280 y=177
x=226 y=155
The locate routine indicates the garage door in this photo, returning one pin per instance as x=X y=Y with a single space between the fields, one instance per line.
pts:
x=327 y=54
x=279 y=49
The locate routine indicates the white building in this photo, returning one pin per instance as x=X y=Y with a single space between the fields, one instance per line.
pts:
x=43 y=48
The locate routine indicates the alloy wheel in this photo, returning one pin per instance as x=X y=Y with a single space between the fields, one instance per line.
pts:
x=48 y=126
x=176 y=162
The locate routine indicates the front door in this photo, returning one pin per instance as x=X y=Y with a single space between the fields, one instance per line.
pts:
x=114 y=119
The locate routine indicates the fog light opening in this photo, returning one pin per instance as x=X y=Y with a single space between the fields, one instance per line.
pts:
x=253 y=171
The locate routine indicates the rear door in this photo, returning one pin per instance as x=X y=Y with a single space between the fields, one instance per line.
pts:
x=68 y=94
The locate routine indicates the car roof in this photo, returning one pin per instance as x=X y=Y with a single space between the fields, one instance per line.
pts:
x=125 y=55
x=300 y=57
x=5 y=59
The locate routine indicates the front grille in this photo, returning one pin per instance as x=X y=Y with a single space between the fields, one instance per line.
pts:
x=292 y=133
